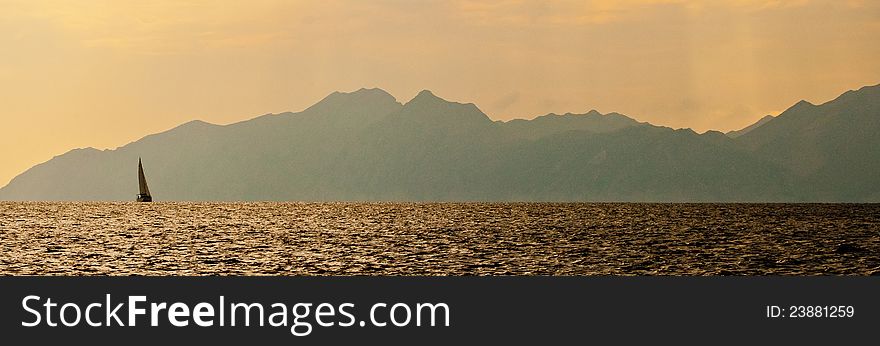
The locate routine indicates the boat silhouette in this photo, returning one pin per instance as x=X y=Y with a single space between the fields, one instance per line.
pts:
x=144 y=194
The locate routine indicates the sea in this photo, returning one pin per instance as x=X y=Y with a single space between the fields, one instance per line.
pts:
x=267 y=238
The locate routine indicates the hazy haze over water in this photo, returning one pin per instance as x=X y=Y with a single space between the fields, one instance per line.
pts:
x=49 y=238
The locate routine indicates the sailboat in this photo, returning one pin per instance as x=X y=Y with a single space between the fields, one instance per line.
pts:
x=144 y=195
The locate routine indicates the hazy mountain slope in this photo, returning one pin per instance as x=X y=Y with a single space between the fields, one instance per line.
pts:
x=643 y=163
x=427 y=155
x=833 y=148
x=747 y=129
x=428 y=150
x=268 y=157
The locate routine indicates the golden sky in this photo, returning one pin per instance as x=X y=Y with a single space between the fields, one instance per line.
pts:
x=105 y=73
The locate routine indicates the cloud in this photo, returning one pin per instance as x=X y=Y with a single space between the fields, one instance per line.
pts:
x=163 y=26
x=581 y=13
x=172 y=27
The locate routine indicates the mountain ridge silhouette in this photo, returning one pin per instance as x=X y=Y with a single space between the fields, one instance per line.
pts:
x=365 y=145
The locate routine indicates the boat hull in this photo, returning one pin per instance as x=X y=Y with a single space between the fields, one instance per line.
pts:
x=144 y=198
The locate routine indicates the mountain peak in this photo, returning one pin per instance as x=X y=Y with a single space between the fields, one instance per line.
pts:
x=360 y=94
x=193 y=125
x=356 y=99
x=371 y=91
x=197 y=123
x=802 y=103
x=797 y=107
x=426 y=96
x=443 y=113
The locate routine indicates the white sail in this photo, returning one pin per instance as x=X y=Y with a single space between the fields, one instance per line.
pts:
x=142 y=180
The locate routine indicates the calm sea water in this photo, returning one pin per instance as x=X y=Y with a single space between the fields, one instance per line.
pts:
x=437 y=239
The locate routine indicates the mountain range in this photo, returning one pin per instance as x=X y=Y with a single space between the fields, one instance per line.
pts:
x=367 y=146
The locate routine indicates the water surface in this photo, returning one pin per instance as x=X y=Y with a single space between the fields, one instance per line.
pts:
x=438 y=239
